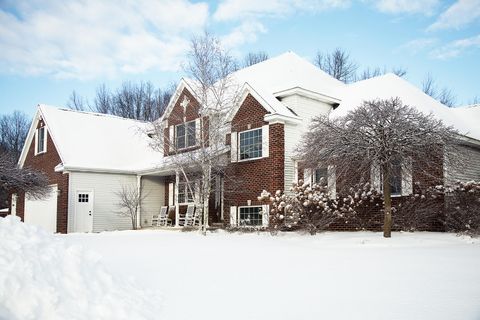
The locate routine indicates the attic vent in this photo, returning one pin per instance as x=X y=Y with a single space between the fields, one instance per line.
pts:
x=292 y=111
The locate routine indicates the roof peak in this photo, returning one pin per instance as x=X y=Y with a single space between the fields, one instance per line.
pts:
x=91 y=113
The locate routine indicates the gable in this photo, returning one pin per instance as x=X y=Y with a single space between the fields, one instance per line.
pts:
x=28 y=150
x=179 y=114
x=250 y=114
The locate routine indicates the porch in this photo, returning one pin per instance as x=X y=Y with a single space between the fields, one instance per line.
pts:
x=171 y=192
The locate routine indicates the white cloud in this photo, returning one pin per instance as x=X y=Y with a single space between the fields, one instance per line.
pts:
x=456 y=48
x=417 y=45
x=248 y=9
x=426 y=7
x=458 y=15
x=90 y=38
x=246 y=32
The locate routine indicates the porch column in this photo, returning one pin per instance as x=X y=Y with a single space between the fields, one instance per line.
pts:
x=139 y=211
x=177 y=209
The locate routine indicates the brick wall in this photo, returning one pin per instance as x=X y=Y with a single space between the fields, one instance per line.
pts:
x=46 y=163
x=245 y=180
x=180 y=115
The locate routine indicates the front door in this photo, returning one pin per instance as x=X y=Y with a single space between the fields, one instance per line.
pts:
x=84 y=211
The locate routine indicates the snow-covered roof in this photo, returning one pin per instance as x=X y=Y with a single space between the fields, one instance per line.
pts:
x=86 y=140
x=287 y=71
x=465 y=120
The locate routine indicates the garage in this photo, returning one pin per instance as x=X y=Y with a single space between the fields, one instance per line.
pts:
x=42 y=212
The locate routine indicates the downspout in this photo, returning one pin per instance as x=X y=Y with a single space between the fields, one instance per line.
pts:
x=139 y=210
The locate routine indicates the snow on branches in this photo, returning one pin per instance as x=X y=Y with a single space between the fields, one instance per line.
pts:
x=313 y=208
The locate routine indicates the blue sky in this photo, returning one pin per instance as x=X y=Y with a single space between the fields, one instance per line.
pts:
x=49 y=48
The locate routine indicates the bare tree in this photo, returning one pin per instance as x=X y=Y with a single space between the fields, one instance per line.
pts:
x=379 y=136
x=475 y=100
x=13 y=131
x=209 y=67
x=76 y=102
x=444 y=95
x=375 y=72
x=254 y=57
x=14 y=179
x=139 y=101
x=130 y=199
x=338 y=64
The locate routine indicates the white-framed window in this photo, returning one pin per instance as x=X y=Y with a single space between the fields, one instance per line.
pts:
x=400 y=178
x=250 y=216
x=185 y=136
x=186 y=192
x=395 y=179
x=250 y=144
x=321 y=176
x=41 y=140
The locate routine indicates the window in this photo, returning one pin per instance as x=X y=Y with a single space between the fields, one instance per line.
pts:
x=41 y=145
x=251 y=144
x=250 y=216
x=83 y=197
x=319 y=174
x=186 y=192
x=185 y=135
x=396 y=179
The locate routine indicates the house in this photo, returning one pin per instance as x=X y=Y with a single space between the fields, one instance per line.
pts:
x=88 y=157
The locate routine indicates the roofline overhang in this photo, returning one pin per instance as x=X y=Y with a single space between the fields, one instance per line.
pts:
x=273 y=118
x=307 y=93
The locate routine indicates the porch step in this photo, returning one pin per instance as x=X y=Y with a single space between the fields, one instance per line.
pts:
x=215 y=226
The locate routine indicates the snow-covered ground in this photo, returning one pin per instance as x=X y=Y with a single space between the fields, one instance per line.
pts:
x=329 y=276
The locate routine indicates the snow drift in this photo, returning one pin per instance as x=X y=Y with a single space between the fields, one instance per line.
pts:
x=41 y=277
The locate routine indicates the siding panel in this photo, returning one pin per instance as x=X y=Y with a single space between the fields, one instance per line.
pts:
x=105 y=205
x=153 y=189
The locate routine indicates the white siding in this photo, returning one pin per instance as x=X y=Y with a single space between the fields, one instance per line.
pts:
x=105 y=205
x=306 y=109
x=470 y=170
x=291 y=141
x=153 y=189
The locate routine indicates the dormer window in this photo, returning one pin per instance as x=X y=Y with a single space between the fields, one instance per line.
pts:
x=185 y=135
x=41 y=140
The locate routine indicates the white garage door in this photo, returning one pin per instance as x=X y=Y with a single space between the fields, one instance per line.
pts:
x=42 y=213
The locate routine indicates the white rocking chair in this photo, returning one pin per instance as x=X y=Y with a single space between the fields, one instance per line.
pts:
x=163 y=219
x=187 y=219
x=197 y=218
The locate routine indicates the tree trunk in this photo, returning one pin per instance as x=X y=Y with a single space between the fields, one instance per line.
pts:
x=206 y=197
x=387 y=191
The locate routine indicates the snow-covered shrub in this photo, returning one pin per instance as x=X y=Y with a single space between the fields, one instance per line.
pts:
x=307 y=207
x=366 y=207
x=423 y=210
x=462 y=209
x=454 y=208
x=42 y=277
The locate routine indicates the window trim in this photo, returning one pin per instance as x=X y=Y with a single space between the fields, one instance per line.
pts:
x=382 y=186
x=238 y=145
x=185 y=124
x=194 y=183
x=44 y=149
x=250 y=226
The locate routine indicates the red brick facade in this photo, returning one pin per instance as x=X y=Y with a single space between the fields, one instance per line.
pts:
x=179 y=115
x=245 y=180
x=46 y=163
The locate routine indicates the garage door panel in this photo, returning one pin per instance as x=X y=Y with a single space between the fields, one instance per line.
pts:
x=42 y=212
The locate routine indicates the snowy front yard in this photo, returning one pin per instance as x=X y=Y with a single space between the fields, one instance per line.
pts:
x=249 y=276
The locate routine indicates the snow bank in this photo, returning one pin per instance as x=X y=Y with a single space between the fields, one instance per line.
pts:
x=41 y=277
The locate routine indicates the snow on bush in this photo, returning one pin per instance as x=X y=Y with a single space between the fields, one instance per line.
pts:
x=41 y=277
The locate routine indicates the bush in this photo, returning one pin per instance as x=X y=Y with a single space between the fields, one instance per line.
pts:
x=311 y=208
